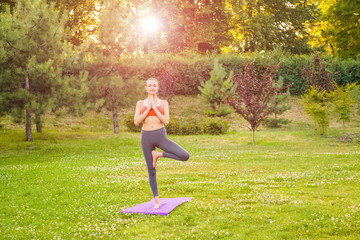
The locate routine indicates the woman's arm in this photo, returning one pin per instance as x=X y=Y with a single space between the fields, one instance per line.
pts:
x=164 y=118
x=138 y=118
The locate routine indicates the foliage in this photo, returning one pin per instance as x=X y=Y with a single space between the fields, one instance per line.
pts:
x=260 y=25
x=118 y=29
x=347 y=70
x=189 y=126
x=290 y=71
x=34 y=50
x=253 y=94
x=316 y=106
x=201 y=26
x=337 y=29
x=169 y=79
x=278 y=102
x=318 y=76
x=275 y=122
x=108 y=87
x=128 y=121
x=189 y=70
x=215 y=126
x=279 y=105
x=211 y=90
x=221 y=112
x=341 y=100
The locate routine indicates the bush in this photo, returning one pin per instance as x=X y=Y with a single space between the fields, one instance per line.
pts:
x=129 y=123
x=190 y=126
x=290 y=72
x=191 y=69
x=316 y=107
x=275 y=122
x=215 y=126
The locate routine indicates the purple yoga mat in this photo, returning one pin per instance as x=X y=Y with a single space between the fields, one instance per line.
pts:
x=167 y=205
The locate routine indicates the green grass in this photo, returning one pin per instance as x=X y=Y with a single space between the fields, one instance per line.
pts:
x=291 y=184
x=71 y=181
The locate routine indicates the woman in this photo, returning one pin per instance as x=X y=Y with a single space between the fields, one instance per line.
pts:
x=154 y=114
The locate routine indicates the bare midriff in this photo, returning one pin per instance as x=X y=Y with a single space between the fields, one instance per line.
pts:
x=152 y=123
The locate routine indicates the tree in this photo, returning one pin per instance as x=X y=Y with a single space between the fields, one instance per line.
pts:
x=33 y=38
x=337 y=28
x=263 y=25
x=316 y=106
x=318 y=76
x=341 y=100
x=168 y=76
x=82 y=17
x=6 y=3
x=278 y=104
x=200 y=25
x=253 y=94
x=214 y=90
x=108 y=89
x=111 y=92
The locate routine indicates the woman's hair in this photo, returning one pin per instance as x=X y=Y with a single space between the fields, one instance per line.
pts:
x=152 y=79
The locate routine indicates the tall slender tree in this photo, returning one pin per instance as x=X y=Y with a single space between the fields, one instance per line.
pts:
x=117 y=38
x=33 y=37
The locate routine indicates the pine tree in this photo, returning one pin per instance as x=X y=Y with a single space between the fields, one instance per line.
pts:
x=279 y=105
x=216 y=88
x=33 y=38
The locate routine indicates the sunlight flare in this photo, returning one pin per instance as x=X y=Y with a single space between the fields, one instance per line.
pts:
x=150 y=24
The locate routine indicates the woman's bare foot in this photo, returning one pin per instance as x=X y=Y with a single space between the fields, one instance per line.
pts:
x=157 y=202
x=155 y=156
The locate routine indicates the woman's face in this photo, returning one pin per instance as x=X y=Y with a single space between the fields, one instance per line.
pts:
x=152 y=87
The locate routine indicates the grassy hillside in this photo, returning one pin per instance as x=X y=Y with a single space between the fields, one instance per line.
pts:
x=181 y=107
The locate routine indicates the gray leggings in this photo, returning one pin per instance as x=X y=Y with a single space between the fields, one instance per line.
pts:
x=159 y=139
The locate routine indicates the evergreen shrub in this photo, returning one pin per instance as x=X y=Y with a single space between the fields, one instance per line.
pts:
x=129 y=123
x=215 y=126
x=275 y=122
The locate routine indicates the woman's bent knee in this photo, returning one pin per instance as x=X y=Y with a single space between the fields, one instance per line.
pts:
x=185 y=156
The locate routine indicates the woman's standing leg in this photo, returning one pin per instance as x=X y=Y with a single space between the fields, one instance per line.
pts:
x=147 y=148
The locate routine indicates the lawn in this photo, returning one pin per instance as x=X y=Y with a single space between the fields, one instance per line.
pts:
x=74 y=178
x=71 y=185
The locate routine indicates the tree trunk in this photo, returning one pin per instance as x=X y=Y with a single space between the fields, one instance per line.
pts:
x=213 y=106
x=28 y=113
x=38 y=123
x=253 y=135
x=146 y=47
x=115 y=115
x=116 y=124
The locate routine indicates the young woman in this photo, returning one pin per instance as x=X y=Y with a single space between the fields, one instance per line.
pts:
x=154 y=114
